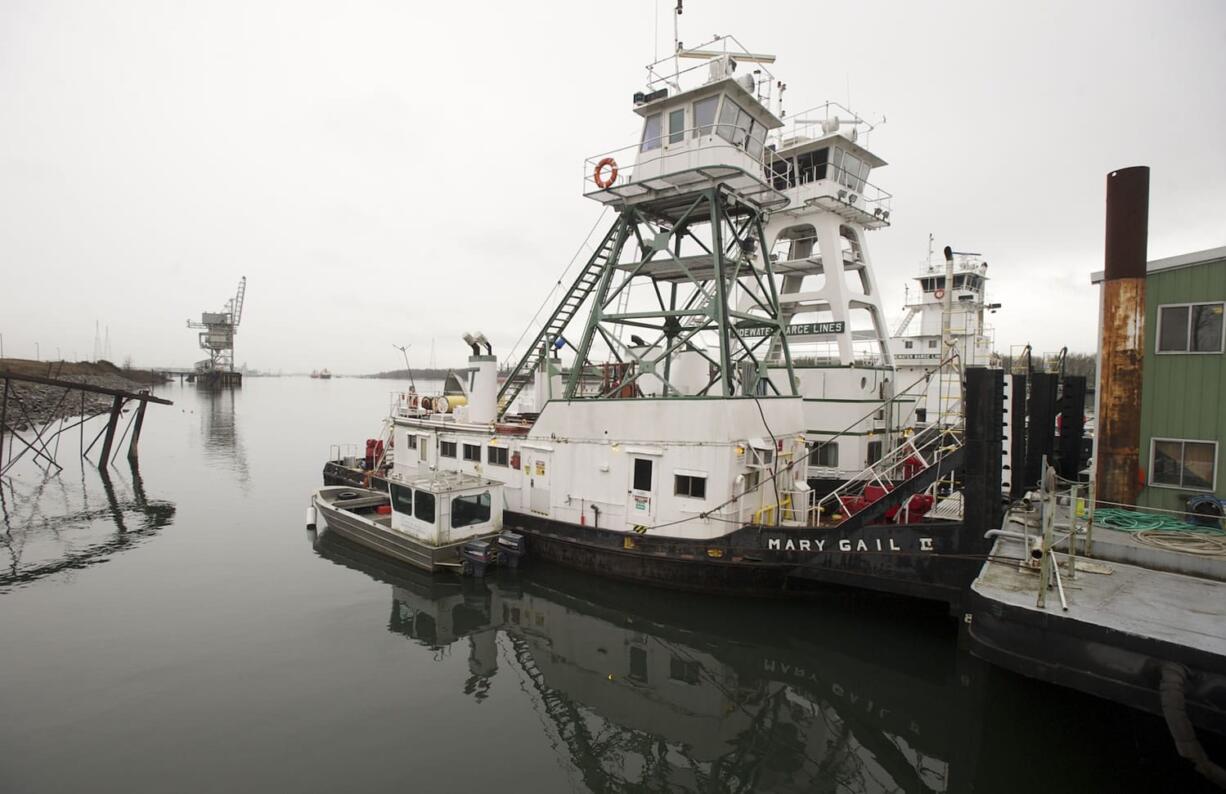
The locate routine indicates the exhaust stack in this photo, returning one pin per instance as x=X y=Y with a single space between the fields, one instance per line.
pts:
x=1122 y=344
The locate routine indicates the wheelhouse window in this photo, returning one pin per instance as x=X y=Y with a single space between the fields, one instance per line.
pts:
x=825 y=454
x=423 y=507
x=402 y=499
x=736 y=125
x=496 y=456
x=676 y=125
x=811 y=166
x=651 y=132
x=472 y=452
x=446 y=449
x=1190 y=328
x=704 y=115
x=1183 y=464
x=469 y=510
x=690 y=485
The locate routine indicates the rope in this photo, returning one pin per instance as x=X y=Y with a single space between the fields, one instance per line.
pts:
x=1165 y=532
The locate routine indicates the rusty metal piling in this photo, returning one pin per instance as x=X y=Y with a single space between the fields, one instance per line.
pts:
x=1122 y=343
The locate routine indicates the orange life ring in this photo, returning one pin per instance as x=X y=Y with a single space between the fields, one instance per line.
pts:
x=940 y=293
x=601 y=182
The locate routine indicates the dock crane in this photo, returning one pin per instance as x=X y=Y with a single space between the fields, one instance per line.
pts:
x=217 y=331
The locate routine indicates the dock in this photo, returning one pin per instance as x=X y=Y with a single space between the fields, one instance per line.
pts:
x=1134 y=617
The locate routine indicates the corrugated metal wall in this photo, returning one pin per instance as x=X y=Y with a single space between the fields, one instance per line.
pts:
x=1184 y=395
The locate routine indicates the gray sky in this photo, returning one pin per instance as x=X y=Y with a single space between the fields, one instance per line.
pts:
x=390 y=172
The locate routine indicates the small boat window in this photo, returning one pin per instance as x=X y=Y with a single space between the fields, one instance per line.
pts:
x=676 y=125
x=651 y=132
x=472 y=452
x=496 y=456
x=446 y=449
x=704 y=115
x=423 y=507
x=402 y=498
x=469 y=510
x=410 y=441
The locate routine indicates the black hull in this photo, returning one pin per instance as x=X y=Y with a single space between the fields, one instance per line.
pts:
x=935 y=562
x=1095 y=659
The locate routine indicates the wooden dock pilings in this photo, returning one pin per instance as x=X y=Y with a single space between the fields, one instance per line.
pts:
x=45 y=442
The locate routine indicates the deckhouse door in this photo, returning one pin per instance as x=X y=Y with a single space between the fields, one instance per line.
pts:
x=641 y=507
x=539 y=468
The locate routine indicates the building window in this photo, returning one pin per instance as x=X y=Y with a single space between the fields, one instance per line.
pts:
x=1190 y=328
x=651 y=132
x=642 y=474
x=1183 y=464
x=472 y=452
x=469 y=510
x=676 y=126
x=496 y=456
x=826 y=453
x=423 y=507
x=446 y=449
x=689 y=485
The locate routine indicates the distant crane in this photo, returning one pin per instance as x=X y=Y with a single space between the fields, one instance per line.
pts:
x=217 y=332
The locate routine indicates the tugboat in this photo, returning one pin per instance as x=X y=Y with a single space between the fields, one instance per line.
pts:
x=672 y=430
x=948 y=301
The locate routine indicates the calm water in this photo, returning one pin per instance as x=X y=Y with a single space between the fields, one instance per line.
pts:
x=177 y=629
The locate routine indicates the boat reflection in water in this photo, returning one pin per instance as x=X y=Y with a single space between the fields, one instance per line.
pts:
x=684 y=693
x=53 y=525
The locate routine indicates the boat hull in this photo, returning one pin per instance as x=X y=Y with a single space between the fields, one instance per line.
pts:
x=936 y=562
x=930 y=561
x=389 y=542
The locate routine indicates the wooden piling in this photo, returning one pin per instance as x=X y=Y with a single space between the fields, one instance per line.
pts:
x=111 y=423
x=140 y=420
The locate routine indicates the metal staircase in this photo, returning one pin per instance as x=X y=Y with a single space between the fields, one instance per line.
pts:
x=922 y=458
x=536 y=353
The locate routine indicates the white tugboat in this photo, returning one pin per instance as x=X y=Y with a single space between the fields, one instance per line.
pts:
x=948 y=301
x=672 y=426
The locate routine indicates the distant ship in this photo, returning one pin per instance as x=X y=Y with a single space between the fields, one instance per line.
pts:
x=321 y=373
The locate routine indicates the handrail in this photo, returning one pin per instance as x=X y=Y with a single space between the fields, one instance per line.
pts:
x=773 y=168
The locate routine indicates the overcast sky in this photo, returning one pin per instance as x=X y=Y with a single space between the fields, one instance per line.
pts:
x=392 y=172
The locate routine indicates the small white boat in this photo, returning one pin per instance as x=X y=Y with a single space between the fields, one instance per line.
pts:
x=435 y=521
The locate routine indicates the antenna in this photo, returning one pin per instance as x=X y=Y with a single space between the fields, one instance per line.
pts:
x=404 y=349
x=677 y=43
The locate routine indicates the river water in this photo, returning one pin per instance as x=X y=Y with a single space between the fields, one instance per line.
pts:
x=174 y=628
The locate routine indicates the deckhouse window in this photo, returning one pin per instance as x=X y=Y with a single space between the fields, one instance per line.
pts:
x=704 y=115
x=1190 y=328
x=423 y=507
x=689 y=485
x=469 y=510
x=402 y=499
x=1183 y=464
x=410 y=441
x=642 y=474
x=496 y=456
x=446 y=449
x=676 y=126
x=825 y=454
x=651 y=132
x=472 y=452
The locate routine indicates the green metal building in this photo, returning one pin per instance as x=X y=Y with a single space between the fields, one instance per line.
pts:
x=1183 y=394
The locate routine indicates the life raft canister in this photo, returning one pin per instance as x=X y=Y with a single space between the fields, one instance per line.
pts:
x=938 y=292
x=598 y=175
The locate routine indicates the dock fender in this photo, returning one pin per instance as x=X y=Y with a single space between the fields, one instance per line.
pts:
x=1175 y=712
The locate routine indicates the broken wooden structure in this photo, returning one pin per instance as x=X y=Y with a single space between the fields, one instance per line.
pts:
x=47 y=434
